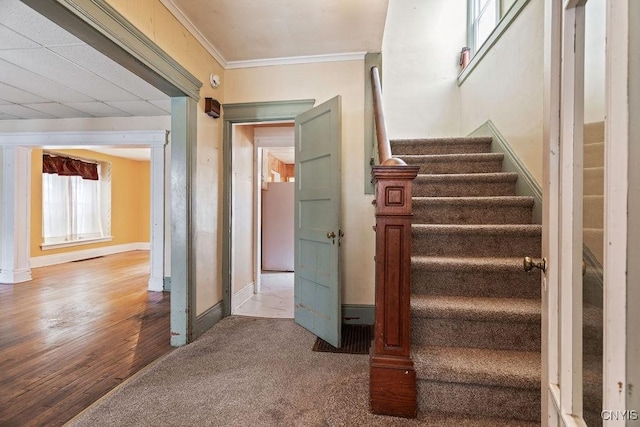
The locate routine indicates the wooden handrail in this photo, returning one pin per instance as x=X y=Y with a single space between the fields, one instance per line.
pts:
x=384 y=146
x=392 y=378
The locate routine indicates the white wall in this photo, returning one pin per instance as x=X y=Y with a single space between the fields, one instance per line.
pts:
x=507 y=87
x=89 y=124
x=420 y=53
x=594 y=61
x=323 y=81
x=242 y=222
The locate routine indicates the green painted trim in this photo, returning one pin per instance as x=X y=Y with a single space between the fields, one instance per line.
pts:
x=500 y=29
x=249 y=112
x=370 y=142
x=102 y=27
x=183 y=200
x=206 y=320
x=526 y=185
x=353 y=314
x=166 y=285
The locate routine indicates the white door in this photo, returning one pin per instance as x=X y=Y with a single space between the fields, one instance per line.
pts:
x=583 y=331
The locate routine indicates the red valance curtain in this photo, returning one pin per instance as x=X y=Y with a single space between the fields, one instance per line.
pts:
x=66 y=166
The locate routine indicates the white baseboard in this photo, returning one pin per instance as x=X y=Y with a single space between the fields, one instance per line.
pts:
x=241 y=296
x=45 y=260
x=156 y=284
x=9 y=277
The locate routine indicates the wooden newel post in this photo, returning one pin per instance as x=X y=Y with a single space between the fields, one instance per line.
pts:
x=392 y=384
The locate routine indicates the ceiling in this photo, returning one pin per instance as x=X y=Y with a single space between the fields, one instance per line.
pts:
x=47 y=73
x=244 y=31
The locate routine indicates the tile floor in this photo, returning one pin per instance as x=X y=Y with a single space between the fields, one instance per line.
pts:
x=274 y=300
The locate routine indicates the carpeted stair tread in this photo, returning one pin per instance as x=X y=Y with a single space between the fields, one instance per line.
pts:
x=456 y=163
x=511 y=310
x=441 y=145
x=473 y=210
x=469 y=264
x=467 y=184
x=465 y=229
x=481 y=366
x=448 y=419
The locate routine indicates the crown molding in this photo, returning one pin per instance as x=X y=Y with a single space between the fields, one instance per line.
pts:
x=290 y=60
x=184 y=20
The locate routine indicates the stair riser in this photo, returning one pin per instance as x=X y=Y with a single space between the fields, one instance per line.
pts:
x=471 y=214
x=471 y=399
x=478 y=334
x=464 y=189
x=501 y=284
x=449 y=167
x=475 y=245
x=594 y=181
x=420 y=148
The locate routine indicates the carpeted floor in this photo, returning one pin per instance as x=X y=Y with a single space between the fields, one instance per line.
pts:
x=249 y=372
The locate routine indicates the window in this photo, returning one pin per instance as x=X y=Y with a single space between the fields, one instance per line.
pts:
x=76 y=199
x=483 y=17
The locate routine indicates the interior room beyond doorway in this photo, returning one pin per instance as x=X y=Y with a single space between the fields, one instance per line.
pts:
x=262 y=222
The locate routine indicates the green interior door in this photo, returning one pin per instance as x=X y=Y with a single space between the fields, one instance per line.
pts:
x=317 y=221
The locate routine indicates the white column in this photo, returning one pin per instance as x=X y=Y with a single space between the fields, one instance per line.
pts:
x=16 y=214
x=156 y=278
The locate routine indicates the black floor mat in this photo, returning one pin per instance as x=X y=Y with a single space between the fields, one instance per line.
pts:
x=356 y=339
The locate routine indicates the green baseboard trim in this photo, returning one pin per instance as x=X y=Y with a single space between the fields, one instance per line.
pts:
x=353 y=314
x=526 y=185
x=206 y=320
x=166 y=286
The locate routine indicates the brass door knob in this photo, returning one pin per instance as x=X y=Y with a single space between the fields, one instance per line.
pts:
x=331 y=235
x=529 y=264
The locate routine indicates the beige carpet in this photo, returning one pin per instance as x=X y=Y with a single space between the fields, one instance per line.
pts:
x=252 y=372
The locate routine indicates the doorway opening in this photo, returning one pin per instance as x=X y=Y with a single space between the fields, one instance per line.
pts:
x=262 y=219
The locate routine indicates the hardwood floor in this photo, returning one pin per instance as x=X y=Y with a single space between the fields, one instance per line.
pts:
x=75 y=332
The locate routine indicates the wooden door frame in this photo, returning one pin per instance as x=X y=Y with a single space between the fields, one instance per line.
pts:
x=244 y=113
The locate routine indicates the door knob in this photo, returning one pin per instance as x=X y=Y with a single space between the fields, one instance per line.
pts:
x=331 y=235
x=529 y=264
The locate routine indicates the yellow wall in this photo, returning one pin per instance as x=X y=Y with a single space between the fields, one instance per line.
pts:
x=323 y=81
x=157 y=23
x=130 y=201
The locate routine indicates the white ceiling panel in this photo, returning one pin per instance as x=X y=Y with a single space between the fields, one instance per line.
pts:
x=57 y=110
x=163 y=104
x=23 y=112
x=58 y=69
x=18 y=96
x=12 y=40
x=24 y=20
x=138 y=108
x=97 y=109
x=25 y=79
x=99 y=64
x=5 y=116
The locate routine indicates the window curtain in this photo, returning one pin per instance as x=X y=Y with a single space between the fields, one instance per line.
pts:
x=66 y=166
x=70 y=203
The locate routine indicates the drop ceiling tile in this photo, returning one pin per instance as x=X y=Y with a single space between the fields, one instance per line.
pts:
x=9 y=39
x=26 y=21
x=163 y=104
x=24 y=112
x=97 y=109
x=18 y=96
x=138 y=108
x=19 y=77
x=57 y=110
x=67 y=73
x=108 y=69
x=5 y=116
x=4 y=102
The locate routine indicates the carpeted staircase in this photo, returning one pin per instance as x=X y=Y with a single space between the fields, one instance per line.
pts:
x=475 y=312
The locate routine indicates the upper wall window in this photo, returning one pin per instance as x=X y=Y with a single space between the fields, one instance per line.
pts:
x=482 y=18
